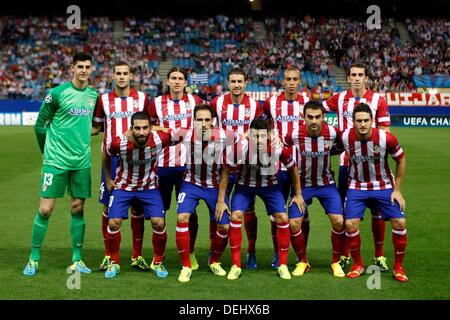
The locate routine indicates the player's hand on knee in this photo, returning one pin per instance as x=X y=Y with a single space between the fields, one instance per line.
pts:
x=221 y=207
x=298 y=199
x=397 y=196
x=110 y=184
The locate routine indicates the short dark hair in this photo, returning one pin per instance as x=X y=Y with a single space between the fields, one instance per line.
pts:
x=291 y=69
x=140 y=115
x=237 y=70
x=177 y=69
x=204 y=106
x=122 y=63
x=358 y=65
x=362 y=107
x=81 y=56
x=314 y=105
x=260 y=123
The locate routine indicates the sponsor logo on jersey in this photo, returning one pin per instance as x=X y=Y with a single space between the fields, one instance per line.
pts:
x=80 y=112
x=122 y=114
x=288 y=118
x=313 y=154
x=365 y=158
x=232 y=122
x=177 y=117
x=348 y=114
x=140 y=162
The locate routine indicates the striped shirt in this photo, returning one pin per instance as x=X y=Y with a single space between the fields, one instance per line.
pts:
x=114 y=113
x=314 y=154
x=369 y=167
x=287 y=115
x=172 y=114
x=343 y=104
x=137 y=166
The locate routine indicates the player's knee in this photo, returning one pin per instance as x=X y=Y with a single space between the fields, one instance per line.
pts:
x=45 y=210
x=399 y=224
x=236 y=216
x=114 y=224
x=295 y=225
x=351 y=226
x=337 y=222
x=183 y=217
x=158 y=225
x=223 y=228
x=77 y=206
x=281 y=218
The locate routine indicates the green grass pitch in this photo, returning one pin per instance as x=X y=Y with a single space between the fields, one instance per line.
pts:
x=426 y=190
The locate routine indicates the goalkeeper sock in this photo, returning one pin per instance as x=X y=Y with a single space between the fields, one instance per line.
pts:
x=77 y=228
x=39 y=231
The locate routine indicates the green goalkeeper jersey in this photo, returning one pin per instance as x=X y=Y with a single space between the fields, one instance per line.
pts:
x=63 y=127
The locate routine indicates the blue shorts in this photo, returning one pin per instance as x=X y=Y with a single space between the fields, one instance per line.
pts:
x=328 y=197
x=284 y=180
x=273 y=198
x=190 y=195
x=230 y=187
x=104 y=192
x=168 y=178
x=358 y=200
x=149 y=200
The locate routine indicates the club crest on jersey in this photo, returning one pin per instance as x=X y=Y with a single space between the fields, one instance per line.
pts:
x=48 y=98
x=376 y=148
x=326 y=145
x=188 y=106
x=91 y=102
x=247 y=112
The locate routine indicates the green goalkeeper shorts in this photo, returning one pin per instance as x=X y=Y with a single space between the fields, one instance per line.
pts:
x=54 y=182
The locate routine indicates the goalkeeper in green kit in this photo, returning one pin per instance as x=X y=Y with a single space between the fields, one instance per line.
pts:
x=63 y=130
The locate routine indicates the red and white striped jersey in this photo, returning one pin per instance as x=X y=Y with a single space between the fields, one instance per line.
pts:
x=205 y=158
x=137 y=166
x=369 y=168
x=114 y=113
x=314 y=154
x=236 y=118
x=343 y=104
x=260 y=169
x=172 y=114
x=287 y=115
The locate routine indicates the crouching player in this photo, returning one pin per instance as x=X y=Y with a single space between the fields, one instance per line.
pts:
x=136 y=185
x=314 y=141
x=257 y=174
x=371 y=181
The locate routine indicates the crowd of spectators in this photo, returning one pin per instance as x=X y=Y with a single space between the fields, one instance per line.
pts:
x=36 y=51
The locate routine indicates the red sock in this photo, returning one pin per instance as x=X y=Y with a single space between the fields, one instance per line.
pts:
x=273 y=229
x=212 y=234
x=337 y=243
x=251 y=228
x=193 y=230
x=400 y=239
x=378 y=231
x=305 y=228
x=345 y=249
x=114 y=238
x=105 y=232
x=159 y=240
x=182 y=240
x=354 y=245
x=220 y=243
x=283 y=234
x=137 y=232
x=298 y=244
x=235 y=236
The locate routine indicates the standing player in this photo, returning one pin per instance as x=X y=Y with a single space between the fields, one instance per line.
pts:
x=235 y=111
x=343 y=104
x=205 y=148
x=257 y=174
x=286 y=111
x=136 y=184
x=63 y=131
x=371 y=181
x=113 y=112
x=314 y=141
x=174 y=110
